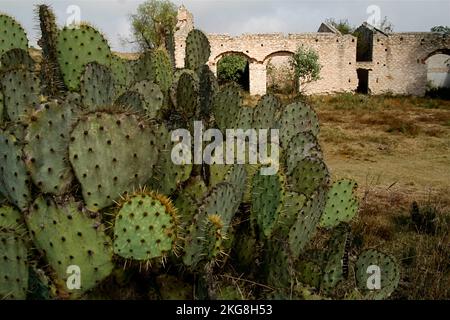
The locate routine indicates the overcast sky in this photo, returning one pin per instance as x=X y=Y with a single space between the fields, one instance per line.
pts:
x=241 y=16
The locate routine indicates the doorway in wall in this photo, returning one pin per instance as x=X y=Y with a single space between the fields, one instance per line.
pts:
x=363 y=81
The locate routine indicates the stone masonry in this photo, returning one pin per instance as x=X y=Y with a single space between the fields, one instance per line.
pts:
x=397 y=64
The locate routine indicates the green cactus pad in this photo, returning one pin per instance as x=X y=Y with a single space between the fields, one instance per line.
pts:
x=14 y=180
x=309 y=175
x=167 y=175
x=187 y=96
x=223 y=200
x=176 y=78
x=208 y=88
x=153 y=97
x=342 y=204
x=122 y=71
x=309 y=273
x=13 y=266
x=145 y=227
x=162 y=69
x=12 y=36
x=111 y=154
x=245 y=121
x=305 y=226
x=337 y=249
x=302 y=145
x=46 y=151
x=266 y=112
x=267 y=201
x=131 y=100
x=68 y=237
x=292 y=205
x=96 y=87
x=295 y=118
x=10 y=218
x=198 y=50
x=77 y=47
x=227 y=106
x=389 y=274
x=21 y=91
x=16 y=59
x=278 y=265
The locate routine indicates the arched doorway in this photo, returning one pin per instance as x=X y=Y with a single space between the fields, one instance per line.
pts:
x=280 y=73
x=438 y=73
x=233 y=67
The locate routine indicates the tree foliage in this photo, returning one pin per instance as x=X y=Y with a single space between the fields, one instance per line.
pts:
x=153 y=23
x=231 y=68
x=342 y=25
x=305 y=62
x=441 y=29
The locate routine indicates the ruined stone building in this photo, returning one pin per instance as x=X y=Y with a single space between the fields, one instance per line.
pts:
x=369 y=61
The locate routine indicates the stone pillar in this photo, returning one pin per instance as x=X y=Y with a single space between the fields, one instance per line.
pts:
x=258 y=78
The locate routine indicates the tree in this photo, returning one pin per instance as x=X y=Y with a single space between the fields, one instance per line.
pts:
x=385 y=25
x=153 y=23
x=231 y=68
x=343 y=26
x=441 y=29
x=305 y=63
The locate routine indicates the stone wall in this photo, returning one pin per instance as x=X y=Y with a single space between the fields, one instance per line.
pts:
x=398 y=59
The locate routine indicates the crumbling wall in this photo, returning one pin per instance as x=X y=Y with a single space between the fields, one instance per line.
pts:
x=397 y=66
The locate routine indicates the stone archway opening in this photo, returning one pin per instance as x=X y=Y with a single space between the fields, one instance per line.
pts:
x=280 y=73
x=234 y=67
x=438 y=74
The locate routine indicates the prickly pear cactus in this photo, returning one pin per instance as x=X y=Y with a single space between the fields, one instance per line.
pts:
x=305 y=226
x=12 y=35
x=302 y=145
x=16 y=59
x=21 y=91
x=97 y=87
x=297 y=117
x=77 y=46
x=168 y=175
x=377 y=274
x=198 y=50
x=153 y=97
x=13 y=265
x=226 y=107
x=266 y=112
x=208 y=87
x=309 y=175
x=187 y=96
x=334 y=270
x=10 y=218
x=145 y=227
x=47 y=140
x=70 y=238
x=14 y=179
x=51 y=76
x=131 y=100
x=162 y=69
x=267 y=201
x=342 y=204
x=111 y=153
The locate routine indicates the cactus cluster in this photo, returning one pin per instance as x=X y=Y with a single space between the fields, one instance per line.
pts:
x=87 y=181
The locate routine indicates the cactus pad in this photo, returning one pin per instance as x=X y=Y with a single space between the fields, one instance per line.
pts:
x=97 y=87
x=111 y=154
x=389 y=273
x=295 y=118
x=47 y=144
x=145 y=227
x=77 y=47
x=13 y=35
x=198 y=50
x=14 y=180
x=68 y=237
x=342 y=204
x=16 y=59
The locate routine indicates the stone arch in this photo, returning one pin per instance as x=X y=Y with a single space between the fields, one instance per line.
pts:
x=438 y=69
x=445 y=51
x=244 y=80
x=280 y=75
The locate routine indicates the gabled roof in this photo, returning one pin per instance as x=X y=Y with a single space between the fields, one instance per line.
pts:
x=327 y=27
x=372 y=28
